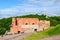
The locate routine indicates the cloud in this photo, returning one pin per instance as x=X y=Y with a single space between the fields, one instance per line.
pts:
x=45 y=2
x=57 y=2
x=50 y=13
x=8 y=12
x=26 y=9
x=19 y=10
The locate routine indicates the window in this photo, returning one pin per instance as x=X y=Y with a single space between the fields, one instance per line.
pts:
x=33 y=23
x=16 y=21
x=26 y=23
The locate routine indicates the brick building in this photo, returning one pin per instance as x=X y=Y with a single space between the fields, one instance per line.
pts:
x=28 y=25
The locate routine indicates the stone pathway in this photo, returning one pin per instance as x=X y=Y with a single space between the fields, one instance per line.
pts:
x=15 y=37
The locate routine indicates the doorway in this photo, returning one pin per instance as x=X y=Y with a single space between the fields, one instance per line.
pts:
x=35 y=29
x=18 y=32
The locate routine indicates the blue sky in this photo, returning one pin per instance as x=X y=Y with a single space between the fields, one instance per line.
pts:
x=22 y=7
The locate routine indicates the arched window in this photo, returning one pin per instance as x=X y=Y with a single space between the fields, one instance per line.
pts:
x=26 y=23
x=33 y=23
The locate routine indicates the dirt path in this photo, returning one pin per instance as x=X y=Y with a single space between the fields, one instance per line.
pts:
x=14 y=37
x=57 y=37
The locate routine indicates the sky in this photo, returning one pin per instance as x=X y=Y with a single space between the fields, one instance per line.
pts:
x=10 y=8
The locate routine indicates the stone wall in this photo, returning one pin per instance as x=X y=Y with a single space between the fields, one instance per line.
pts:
x=28 y=25
x=31 y=28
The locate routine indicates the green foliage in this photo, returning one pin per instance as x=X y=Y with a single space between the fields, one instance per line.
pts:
x=54 y=20
x=54 y=31
x=2 y=31
x=4 y=25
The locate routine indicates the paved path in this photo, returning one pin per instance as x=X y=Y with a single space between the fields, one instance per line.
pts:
x=57 y=37
x=15 y=37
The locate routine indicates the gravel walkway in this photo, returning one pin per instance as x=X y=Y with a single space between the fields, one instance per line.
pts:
x=15 y=37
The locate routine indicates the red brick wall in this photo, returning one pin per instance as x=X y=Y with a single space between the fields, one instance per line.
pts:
x=28 y=21
x=22 y=21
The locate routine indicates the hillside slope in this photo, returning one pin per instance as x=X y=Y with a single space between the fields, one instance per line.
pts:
x=6 y=22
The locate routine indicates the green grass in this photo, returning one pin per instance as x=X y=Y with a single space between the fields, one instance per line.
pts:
x=49 y=32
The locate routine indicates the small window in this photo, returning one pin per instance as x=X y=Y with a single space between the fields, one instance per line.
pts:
x=33 y=23
x=26 y=24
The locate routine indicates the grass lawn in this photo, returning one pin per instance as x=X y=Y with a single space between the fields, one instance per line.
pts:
x=49 y=32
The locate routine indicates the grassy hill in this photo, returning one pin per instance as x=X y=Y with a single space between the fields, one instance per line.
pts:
x=49 y=32
x=6 y=22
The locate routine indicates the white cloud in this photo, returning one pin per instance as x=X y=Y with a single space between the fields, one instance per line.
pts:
x=45 y=2
x=8 y=12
